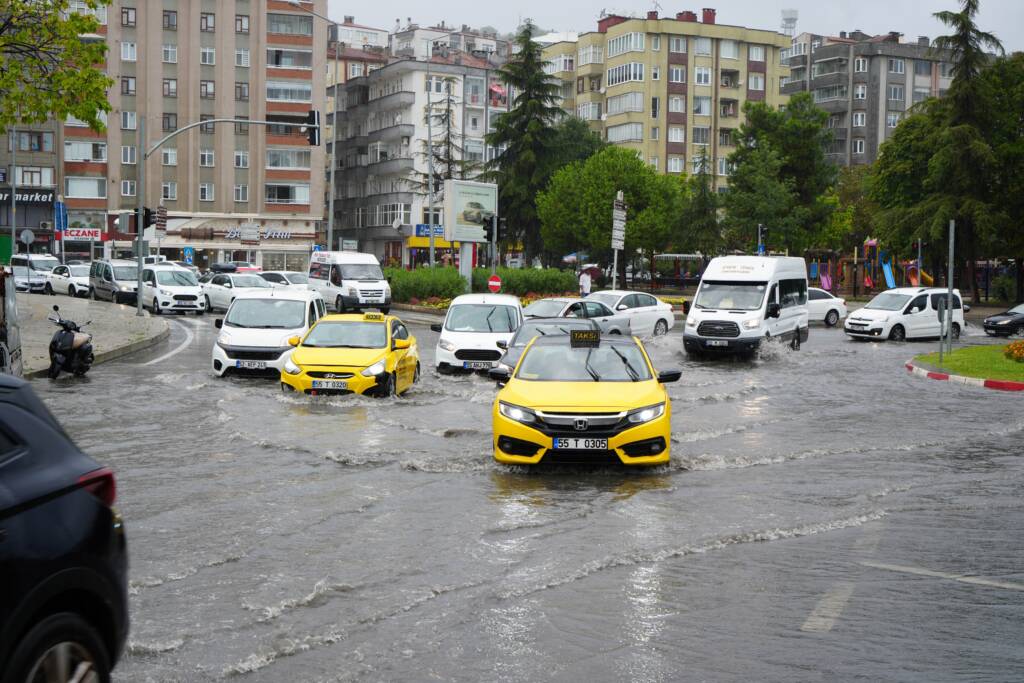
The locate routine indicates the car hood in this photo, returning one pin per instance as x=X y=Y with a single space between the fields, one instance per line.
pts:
x=247 y=336
x=871 y=314
x=356 y=358
x=475 y=340
x=1006 y=315
x=573 y=396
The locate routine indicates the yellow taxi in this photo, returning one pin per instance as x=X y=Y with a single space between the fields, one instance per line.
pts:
x=368 y=353
x=583 y=398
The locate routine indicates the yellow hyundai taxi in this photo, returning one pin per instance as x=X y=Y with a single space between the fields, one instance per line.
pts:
x=354 y=353
x=583 y=398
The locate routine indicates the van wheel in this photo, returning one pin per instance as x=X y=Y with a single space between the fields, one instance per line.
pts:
x=897 y=334
x=660 y=328
x=956 y=331
x=832 y=319
x=92 y=293
x=385 y=310
x=156 y=307
x=795 y=343
x=61 y=642
x=339 y=305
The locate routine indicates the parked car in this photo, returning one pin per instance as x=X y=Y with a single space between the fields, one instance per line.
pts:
x=222 y=288
x=115 y=280
x=71 y=280
x=905 y=313
x=245 y=266
x=1006 y=323
x=30 y=271
x=609 y=321
x=286 y=278
x=538 y=327
x=223 y=268
x=824 y=307
x=187 y=266
x=647 y=314
x=63 y=553
x=166 y=288
x=474 y=325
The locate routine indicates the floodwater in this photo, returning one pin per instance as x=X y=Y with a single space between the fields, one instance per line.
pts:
x=825 y=516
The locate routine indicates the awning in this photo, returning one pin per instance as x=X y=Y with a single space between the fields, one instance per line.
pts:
x=424 y=243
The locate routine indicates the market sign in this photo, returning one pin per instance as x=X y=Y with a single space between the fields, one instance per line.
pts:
x=28 y=196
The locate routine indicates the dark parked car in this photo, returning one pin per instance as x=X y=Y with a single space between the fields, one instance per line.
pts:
x=223 y=267
x=536 y=327
x=63 y=557
x=1006 y=323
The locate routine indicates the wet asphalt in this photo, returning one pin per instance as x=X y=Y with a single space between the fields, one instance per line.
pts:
x=826 y=516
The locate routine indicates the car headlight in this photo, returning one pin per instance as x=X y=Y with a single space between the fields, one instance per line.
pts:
x=446 y=345
x=352 y=291
x=1004 y=322
x=504 y=366
x=517 y=413
x=165 y=292
x=291 y=368
x=751 y=324
x=375 y=369
x=691 y=321
x=641 y=415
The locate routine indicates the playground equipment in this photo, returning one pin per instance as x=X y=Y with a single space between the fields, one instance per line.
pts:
x=822 y=265
x=910 y=268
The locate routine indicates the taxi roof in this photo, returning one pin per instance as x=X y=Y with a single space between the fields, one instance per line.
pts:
x=357 y=317
x=564 y=340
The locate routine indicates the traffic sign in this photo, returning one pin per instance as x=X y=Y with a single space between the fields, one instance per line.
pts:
x=60 y=216
x=27 y=236
x=318 y=247
x=189 y=253
x=494 y=283
x=161 y=217
x=619 y=224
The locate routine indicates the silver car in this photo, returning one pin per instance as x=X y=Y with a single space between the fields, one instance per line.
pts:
x=608 y=320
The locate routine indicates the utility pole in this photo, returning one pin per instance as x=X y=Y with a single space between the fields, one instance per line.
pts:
x=334 y=143
x=140 y=193
x=494 y=245
x=14 y=191
x=949 y=285
x=430 y=159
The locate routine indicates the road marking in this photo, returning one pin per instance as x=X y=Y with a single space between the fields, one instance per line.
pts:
x=828 y=609
x=962 y=578
x=181 y=347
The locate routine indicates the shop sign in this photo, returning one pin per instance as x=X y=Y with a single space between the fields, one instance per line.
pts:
x=27 y=196
x=85 y=234
x=246 y=235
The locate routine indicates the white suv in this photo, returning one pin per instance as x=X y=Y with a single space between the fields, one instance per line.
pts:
x=168 y=288
x=905 y=313
x=472 y=329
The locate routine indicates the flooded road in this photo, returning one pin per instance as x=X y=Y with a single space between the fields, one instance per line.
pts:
x=826 y=516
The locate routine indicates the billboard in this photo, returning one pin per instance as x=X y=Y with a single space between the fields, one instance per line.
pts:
x=468 y=206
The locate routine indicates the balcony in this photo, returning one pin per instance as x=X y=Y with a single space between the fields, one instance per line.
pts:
x=729 y=109
x=395 y=100
x=398 y=131
x=793 y=87
x=392 y=166
x=729 y=78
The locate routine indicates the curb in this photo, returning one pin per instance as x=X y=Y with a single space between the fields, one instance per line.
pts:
x=113 y=354
x=997 y=384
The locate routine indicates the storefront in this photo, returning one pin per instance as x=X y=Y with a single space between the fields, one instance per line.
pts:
x=275 y=245
x=35 y=212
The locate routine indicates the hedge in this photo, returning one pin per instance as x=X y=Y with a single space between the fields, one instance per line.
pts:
x=441 y=282
x=522 y=281
x=424 y=283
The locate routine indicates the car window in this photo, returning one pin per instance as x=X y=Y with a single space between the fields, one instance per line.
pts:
x=218 y=280
x=312 y=313
x=792 y=292
x=939 y=302
x=920 y=302
x=646 y=300
x=596 y=310
x=321 y=307
x=575 y=311
x=336 y=276
x=8 y=445
x=817 y=295
x=271 y=277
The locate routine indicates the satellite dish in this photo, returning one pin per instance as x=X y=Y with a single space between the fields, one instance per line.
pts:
x=397 y=224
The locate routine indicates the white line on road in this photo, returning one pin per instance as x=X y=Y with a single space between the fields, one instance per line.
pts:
x=962 y=578
x=828 y=609
x=181 y=347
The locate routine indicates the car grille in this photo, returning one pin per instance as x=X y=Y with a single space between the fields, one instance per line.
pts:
x=185 y=297
x=371 y=293
x=718 y=328
x=321 y=374
x=568 y=457
x=599 y=425
x=477 y=354
x=252 y=353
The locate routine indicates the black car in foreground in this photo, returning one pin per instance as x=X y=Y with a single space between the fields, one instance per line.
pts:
x=1006 y=323
x=63 y=556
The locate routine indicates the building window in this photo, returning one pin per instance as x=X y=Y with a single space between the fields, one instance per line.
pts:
x=755 y=81
x=723 y=167
x=676 y=164
x=653 y=162
x=241 y=158
x=291 y=158
x=242 y=57
x=676 y=134
x=896 y=66
x=34 y=141
x=677 y=74
x=241 y=128
x=128 y=52
x=677 y=104
x=207 y=56
x=241 y=91
x=82 y=7
x=279 y=193
x=859 y=119
x=207 y=21
x=860 y=91
x=169 y=122
x=922 y=67
x=589 y=55
x=127 y=188
x=655 y=73
x=628 y=42
x=128 y=85
x=289 y=91
x=655 y=132
x=34 y=176
x=169 y=190
x=895 y=93
x=241 y=23
x=207 y=90
x=921 y=94
x=655 y=107
x=677 y=44
x=170 y=20
x=729 y=49
x=628 y=101
x=860 y=65
x=128 y=16
x=169 y=156
x=85 y=188
x=170 y=87
x=588 y=111
x=169 y=54
x=206 y=158
x=892 y=119
x=945 y=69
x=702 y=106
x=241 y=193
x=627 y=132
x=206 y=192
x=128 y=120
x=755 y=53
x=702 y=75
x=290 y=24
x=355 y=69
x=832 y=92
x=701 y=135
x=128 y=154
x=702 y=46
x=85 y=151
x=725 y=137
x=858 y=146
x=206 y=127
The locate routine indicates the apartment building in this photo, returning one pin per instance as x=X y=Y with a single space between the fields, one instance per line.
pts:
x=180 y=62
x=382 y=153
x=30 y=161
x=866 y=84
x=670 y=88
x=421 y=42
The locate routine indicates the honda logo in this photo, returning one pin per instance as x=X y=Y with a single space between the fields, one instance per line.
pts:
x=582 y=424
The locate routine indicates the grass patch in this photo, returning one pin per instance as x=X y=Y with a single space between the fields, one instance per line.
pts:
x=986 y=362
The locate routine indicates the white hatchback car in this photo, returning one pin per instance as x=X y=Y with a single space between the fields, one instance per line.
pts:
x=72 y=280
x=167 y=287
x=472 y=329
x=286 y=278
x=223 y=288
x=825 y=308
x=647 y=314
x=905 y=313
x=255 y=331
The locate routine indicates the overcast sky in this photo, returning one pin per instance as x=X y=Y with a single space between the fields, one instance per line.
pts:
x=1005 y=18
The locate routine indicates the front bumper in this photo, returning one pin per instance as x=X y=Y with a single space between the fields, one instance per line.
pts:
x=872 y=330
x=993 y=328
x=169 y=303
x=353 y=302
x=447 y=362
x=513 y=440
x=693 y=342
x=232 y=360
x=355 y=382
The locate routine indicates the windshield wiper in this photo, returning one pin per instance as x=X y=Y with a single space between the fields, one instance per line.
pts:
x=490 y=328
x=586 y=364
x=629 y=368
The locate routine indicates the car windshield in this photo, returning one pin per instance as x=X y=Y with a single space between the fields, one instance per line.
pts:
x=481 y=318
x=888 y=301
x=604 y=363
x=249 y=281
x=179 y=278
x=297 y=278
x=347 y=334
x=544 y=308
x=46 y=264
x=608 y=299
x=732 y=296
x=79 y=271
x=361 y=271
x=528 y=330
x=267 y=314
x=20 y=271
x=1017 y=309
x=124 y=273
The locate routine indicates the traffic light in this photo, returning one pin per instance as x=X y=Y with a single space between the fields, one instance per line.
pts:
x=762 y=238
x=502 y=229
x=489 y=231
x=148 y=217
x=313 y=127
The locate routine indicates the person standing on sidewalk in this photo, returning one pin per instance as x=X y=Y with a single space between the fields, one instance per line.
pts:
x=584 y=283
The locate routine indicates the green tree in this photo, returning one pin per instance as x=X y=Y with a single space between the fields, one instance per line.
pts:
x=760 y=194
x=699 y=226
x=46 y=70
x=573 y=141
x=966 y=49
x=524 y=135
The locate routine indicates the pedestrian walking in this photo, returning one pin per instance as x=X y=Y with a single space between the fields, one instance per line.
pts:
x=584 y=283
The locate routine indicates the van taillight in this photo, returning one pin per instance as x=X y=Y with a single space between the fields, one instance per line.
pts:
x=101 y=484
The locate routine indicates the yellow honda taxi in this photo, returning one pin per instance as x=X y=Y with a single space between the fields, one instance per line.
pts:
x=582 y=397
x=355 y=353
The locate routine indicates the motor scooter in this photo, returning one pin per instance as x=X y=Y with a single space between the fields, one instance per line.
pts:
x=70 y=347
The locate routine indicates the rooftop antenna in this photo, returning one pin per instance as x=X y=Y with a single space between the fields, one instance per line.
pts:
x=789 y=17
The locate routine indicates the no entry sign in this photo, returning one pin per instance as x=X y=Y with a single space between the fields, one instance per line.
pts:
x=494 y=284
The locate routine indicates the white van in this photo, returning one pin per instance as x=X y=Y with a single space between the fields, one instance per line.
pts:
x=743 y=300
x=349 y=280
x=167 y=287
x=474 y=325
x=906 y=313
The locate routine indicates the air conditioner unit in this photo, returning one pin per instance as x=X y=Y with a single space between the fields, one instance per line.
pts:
x=604 y=117
x=45 y=225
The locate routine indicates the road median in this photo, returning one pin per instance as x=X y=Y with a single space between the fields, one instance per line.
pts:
x=981 y=366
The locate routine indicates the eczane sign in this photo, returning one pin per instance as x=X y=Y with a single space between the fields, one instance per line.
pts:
x=85 y=234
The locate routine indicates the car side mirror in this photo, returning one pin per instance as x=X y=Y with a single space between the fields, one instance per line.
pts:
x=669 y=376
x=621 y=307
x=436 y=327
x=967 y=308
x=218 y=323
x=294 y=341
x=228 y=285
x=501 y=344
x=500 y=375
x=399 y=344
x=774 y=310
